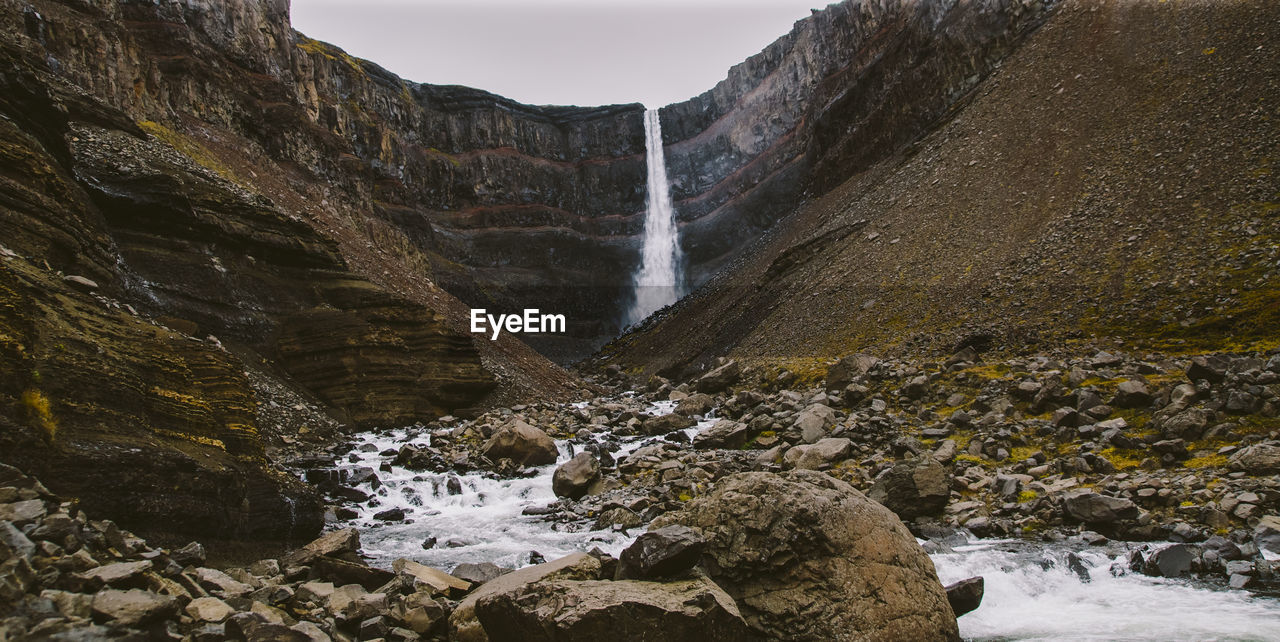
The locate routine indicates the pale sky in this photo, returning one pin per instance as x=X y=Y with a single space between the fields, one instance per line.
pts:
x=565 y=52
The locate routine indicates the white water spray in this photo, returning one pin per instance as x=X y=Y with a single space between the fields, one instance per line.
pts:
x=658 y=282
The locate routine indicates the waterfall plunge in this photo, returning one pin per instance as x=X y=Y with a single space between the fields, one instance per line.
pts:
x=658 y=282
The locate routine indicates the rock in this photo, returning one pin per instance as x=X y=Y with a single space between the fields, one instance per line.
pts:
x=697 y=404
x=693 y=610
x=1258 y=459
x=117 y=575
x=663 y=424
x=436 y=579
x=209 y=609
x=843 y=372
x=723 y=434
x=1093 y=508
x=317 y=592
x=917 y=387
x=478 y=573
x=220 y=583
x=13 y=543
x=719 y=379
x=133 y=607
x=574 y=477
x=807 y=556
x=521 y=443
x=1132 y=393
x=663 y=552
x=1170 y=561
x=420 y=612
x=340 y=543
x=913 y=488
x=818 y=455
x=193 y=554
x=463 y=625
x=1267 y=533
x=815 y=422
x=1211 y=368
x=390 y=515
x=965 y=595
x=22 y=512
x=618 y=517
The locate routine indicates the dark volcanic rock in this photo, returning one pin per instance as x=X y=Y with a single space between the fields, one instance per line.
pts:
x=573 y=478
x=913 y=488
x=965 y=595
x=663 y=552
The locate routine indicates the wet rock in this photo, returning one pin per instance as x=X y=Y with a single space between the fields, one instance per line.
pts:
x=663 y=552
x=692 y=610
x=1170 y=561
x=521 y=443
x=913 y=488
x=390 y=515
x=574 y=477
x=807 y=556
x=965 y=595
x=1093 y=508
x=663 y=424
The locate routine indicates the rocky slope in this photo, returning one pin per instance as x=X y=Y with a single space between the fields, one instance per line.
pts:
x=1112 y=181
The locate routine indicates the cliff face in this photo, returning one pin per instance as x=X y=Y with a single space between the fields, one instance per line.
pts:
x=1111 y=185
x=848 y=87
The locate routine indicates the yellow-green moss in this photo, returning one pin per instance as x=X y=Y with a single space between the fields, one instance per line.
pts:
x=189 y=147
x=40 y=411
x=1208 y=461
x=1027 y=496
x=1121 y=459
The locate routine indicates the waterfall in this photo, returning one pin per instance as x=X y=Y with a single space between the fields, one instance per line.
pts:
x=658 y=281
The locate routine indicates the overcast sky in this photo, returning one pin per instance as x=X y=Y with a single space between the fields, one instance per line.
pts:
x=568 y=52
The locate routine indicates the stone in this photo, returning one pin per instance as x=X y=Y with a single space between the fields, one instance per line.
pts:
x=1258 y=459
x=1211 y=368
x=966 y=595
x=463 y=624
x=117 y=575
x=134 y=606
x=696 y=404
x=847 y=369
x=220 y=583
x=693 y=610
x=521 y=443
x=814 y=422
x=390 y=515
x=574 y=477
x=1266 y=534
x=1132 y=393
x=719 y=379
x=22 y=512
x=192 y=554
x=806 y=556
x=439 y=581
x=1093 y=508
x=913 y=488
x=723 y=434
x=478 y=573
x=659 y=553
x=821 y=454
x=208 y=609
x=663 y=424
x=13 y=543
x=1170 y=561
x=316 y=592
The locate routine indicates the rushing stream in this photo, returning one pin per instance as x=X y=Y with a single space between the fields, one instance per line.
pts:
x=1034 y=591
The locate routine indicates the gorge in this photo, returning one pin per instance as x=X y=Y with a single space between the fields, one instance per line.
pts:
x=991 y=280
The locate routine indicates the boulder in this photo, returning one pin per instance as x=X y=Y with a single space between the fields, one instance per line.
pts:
x=1170 y=561
x=521 y=443
x=723 y=434
x=478 y=573
x=1258 y=459
x=719 y=379
x=807 y=556
x=1133 y=393
x=209 y=609
x=913 y=488
x=662 y=552
x=818 y=455
x=1093 y=508
x=344 y=543
x=439 y=581
x=696 y=404
x=574 y=477
x=463 y=623
x=663 y=424
x=815 y=422
x=693 y=610
x=1266 y=534
x=965 y=595
x=133 y=607
x=1211 y=368
x=846 y=370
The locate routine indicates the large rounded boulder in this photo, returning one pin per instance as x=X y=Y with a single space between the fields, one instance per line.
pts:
x=808 y=557
x=521 y=443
